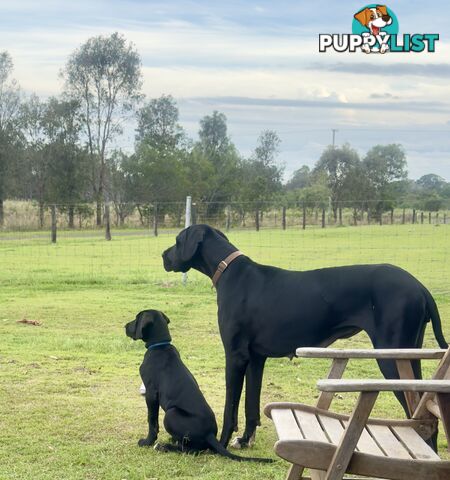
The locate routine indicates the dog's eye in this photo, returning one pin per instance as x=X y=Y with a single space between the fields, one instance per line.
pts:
x=372 y=16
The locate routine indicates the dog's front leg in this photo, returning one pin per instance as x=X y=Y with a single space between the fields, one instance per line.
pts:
x=152 y=400
x=235 y=368
x=253 y=382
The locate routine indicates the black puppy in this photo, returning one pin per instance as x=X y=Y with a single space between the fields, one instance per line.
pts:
x=169 y=384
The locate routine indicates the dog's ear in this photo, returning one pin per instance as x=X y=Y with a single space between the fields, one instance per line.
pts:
x=143 y=321
x=363 y=17
x=166 y=318
x=382 y=9
x=188 y=241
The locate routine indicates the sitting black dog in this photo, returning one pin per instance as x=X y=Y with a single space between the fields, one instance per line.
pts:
x=188 y=419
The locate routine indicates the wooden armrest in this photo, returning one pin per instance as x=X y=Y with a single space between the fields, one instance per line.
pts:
x=438 y=386
x=386 y=353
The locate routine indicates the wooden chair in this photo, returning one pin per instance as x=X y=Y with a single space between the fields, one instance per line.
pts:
x=332 y=444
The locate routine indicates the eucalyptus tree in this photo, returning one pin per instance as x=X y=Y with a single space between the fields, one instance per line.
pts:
x=9 y=125
x=104 y=75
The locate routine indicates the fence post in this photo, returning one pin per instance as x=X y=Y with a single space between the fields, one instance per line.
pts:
x=283 y=218
x=155 y=219
x=53 y=210
x=304 y=218
x=392 y=216
x=340 y=216
x=429 y=218
x=107 y=222
x=381 y=218
x=437 y=218
x=404 y=216
x=414 y=216
x=421 y=218
x=187 y=223
x=228 y=221
x=257 y=220
x=323 y=218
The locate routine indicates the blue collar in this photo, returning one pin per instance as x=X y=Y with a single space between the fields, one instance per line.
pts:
x=155 y=345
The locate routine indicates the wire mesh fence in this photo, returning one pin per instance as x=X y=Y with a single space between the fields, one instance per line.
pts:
x=298 y=237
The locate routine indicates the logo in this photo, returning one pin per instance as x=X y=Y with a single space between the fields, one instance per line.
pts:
x=375 y=29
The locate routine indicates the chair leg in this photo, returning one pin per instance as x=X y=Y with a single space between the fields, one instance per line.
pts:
x=294 y=472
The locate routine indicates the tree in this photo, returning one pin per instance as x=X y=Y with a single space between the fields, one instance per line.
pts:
x=62 y=125
x=9 y=124
x=432 y=182
x=104 y=75
x=384 y=165
x=301 y=178
x=32 y=113
x=337 y=163
x=215 y=147
x=158 y=124
x=260 y=175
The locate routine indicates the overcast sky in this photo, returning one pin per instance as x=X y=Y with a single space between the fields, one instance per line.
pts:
x=258 y=62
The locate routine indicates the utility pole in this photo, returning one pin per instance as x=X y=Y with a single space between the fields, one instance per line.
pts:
x=334 y=130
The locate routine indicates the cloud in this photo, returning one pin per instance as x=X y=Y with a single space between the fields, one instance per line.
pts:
x=328 y=103
x=385 y=95
x=430 y=70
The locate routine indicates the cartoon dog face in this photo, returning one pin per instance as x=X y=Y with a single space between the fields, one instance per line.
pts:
x=374 y=18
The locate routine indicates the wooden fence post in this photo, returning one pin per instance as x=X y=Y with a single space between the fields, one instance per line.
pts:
x=429 y=218
x=53 y=210
x=228 y=220
x=257 y=220
x=155 y=219
x=392 y=216
x=107 y=222
x=304 y=217
x=421 y=218
x=404 y=216
x=283 y=218
x=323 y=218
x=414 y=216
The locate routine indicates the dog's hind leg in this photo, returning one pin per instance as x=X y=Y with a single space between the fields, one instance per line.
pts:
x=253 y=382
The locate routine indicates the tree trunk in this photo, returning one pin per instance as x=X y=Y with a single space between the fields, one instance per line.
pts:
x=107 y=222
x=99 y=213
x=53 y=210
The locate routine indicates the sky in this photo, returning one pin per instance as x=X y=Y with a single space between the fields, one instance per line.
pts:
x=259 y=63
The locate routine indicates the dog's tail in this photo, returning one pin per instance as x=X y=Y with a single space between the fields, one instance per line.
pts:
x=435 y=318
x=217 y=447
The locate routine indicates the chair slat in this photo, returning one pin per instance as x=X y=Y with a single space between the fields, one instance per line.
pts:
x=310 y=426
x=388 y=442
x=333 y=427
x=367 y=444
x=415 y=444
x=286 y=425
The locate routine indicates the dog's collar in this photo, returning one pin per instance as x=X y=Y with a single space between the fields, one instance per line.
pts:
x=151 y=346
x=223 y=265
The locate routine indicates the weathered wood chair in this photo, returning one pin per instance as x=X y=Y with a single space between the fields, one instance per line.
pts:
x=332 y=444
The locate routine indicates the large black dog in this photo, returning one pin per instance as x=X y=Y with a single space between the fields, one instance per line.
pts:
x=169 y=384
x=268 y=312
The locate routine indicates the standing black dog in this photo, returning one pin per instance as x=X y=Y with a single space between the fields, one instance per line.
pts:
x=268 y=312
x=169 y=384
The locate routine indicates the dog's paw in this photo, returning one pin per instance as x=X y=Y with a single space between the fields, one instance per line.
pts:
x=158 y=447
x=146 y=442
x=241 y=442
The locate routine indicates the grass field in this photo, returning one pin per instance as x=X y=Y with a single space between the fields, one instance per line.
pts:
x=69 y=402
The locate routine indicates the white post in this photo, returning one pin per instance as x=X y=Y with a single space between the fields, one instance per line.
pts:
x=187 y=223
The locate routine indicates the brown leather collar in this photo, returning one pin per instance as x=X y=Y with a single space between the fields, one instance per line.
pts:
x=223 y=265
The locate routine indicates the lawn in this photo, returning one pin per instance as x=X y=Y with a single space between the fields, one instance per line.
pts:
x=69 y=402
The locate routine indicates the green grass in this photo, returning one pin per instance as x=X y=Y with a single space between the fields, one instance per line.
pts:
x=69 y=402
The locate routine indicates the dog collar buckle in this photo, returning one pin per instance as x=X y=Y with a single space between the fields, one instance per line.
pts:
x=223 y=265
